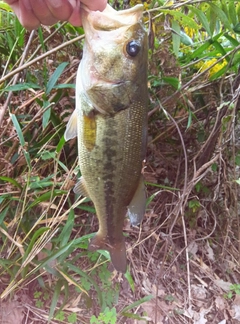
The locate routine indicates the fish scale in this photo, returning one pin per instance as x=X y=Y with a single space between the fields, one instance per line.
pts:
x=111 y=113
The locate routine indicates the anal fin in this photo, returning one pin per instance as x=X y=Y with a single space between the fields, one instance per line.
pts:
x=80 y=188
x=136 y=208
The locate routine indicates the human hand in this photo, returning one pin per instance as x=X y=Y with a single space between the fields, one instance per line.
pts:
x=32 y=13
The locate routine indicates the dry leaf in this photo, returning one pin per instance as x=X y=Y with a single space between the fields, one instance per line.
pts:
x=193 y=248
x=199 y=292
x=156 y=313
x=235 y=310
x=224 y=285
x=209 y=252
x=199 y=318
x=223 y=322
x=11 y=312
x=152 y=289
x=220 y=303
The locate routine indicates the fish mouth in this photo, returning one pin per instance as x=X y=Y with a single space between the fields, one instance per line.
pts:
x=108 y=83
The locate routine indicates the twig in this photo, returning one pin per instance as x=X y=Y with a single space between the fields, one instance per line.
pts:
x=16 y=77
x=39 y=58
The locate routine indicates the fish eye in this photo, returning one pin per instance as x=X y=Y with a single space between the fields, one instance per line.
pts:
x=133 y=48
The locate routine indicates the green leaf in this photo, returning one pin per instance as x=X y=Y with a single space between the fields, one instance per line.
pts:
x=231 y=39
x=237 y=28
x=60 y=144
x=185 y=39
x=199 y=51
x=232 y=12
x=88 y=209
x=36 y=235
x=55 y=76
x=130 y=280
x=172 y=81
x=46 y=114
x=202 y=18
x=189 y=123
x=220 y=49
x=237 y=159
x=72 y=318
x=67 y=229
x=22 y=86
x=181 y=18
x=212 y=18
x=60 y=316
x=12 y=181
x=134 y=316
x=41 y=184
x=65 y=86
x=56 y=294
x=176 y=37
x=160 y=186
x=18 y=129
x=46 y=197
x=21 y=138
x=221 y=15
x=85 y=276
x=2 y=216
x=137 y=303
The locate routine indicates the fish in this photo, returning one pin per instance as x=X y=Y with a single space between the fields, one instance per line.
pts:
x=110 y=123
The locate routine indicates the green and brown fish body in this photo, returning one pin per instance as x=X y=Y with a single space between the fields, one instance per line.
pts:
x=111 y=114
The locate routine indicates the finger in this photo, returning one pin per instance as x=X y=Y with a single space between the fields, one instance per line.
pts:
x=95 y=4
x=42 y=12
x=24 y=12
x=75 y=18
x=60 y=9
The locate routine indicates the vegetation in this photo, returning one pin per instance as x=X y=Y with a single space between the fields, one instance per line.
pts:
x=184 y=258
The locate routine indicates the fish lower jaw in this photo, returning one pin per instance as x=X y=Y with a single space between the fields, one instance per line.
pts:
x=103 y=83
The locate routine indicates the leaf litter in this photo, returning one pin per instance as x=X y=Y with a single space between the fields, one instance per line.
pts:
x=174 y=233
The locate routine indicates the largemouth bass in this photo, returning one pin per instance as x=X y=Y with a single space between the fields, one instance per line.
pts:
x=110 y=121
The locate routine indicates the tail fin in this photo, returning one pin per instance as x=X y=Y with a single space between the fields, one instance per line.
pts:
x=117 y=252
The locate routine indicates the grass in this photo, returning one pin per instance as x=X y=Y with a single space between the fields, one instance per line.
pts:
x=191 y=224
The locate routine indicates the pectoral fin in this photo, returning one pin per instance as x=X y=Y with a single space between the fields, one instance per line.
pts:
x=71 y=129
x=80 y=188
x=117 y=251
x=136 y=208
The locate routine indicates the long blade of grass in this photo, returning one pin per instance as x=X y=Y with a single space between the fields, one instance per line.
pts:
x=36 y=235
x=56 y=294
x=176 y=37
x=137 y=303
x=88 y=278
x=12 y=181
x=221 y=15
x=67 y=229
x=18 y=129
x=202 y=18
x=55 y=76
x=22 y=86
